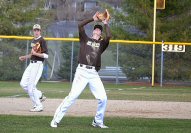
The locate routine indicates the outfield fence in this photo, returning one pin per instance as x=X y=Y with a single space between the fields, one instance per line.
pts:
x=121 y=62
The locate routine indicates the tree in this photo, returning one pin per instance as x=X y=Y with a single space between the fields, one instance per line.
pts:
x=65 y=68
x=11 y=68
x=17 y=18
x=134 y=21
x=18 y=15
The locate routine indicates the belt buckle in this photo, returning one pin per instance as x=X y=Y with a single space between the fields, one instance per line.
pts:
x=88 y=67
x=33 y=61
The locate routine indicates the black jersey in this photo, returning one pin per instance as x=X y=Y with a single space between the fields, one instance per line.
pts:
x=43 y=47
x=91 y=49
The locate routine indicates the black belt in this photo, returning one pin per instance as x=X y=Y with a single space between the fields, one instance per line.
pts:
x=86 y=66
x=35 y=61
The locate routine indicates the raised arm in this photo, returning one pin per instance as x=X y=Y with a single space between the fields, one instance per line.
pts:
x=23 y=58
x=107 y=38
x=83 y=23
x=86 y=21
x=107 y=32
x=107 y=29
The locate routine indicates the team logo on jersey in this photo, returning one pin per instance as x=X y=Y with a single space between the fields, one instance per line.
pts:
x=32 y=44
x=93 y=44
x=35 y=44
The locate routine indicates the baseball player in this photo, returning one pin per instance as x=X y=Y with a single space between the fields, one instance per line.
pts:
x=89 y=60
x=34 y=70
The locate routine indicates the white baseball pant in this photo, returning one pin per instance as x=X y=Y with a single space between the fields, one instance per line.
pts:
x=83 y=76
x=30 y=79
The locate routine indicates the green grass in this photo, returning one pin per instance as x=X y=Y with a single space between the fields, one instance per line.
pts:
x=40 y=124
x=114 y=92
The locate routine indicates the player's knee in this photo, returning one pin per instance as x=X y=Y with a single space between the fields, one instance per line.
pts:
x=30 y=92
x=22 y=85
x=103 y=99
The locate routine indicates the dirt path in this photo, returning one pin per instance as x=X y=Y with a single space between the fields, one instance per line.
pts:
x=122 y=108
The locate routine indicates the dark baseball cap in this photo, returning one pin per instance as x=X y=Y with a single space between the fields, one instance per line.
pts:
x=98 y=26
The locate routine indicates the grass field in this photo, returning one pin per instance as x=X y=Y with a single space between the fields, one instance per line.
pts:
x=40 y=124
x=114 y=92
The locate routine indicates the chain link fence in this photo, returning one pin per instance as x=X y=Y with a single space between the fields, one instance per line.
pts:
x=130 y=63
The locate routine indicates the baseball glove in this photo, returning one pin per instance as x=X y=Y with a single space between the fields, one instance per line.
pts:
x=37 y=48
x=104 y=16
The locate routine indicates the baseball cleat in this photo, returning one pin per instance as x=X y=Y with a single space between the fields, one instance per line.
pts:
x=54 y=124
x=94 y=124
x=37 y=109
x=42 y=98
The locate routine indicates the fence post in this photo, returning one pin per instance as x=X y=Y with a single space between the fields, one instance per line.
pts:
x=71 y=60
x=162 y=62
x=27 y=51
x=117 y=65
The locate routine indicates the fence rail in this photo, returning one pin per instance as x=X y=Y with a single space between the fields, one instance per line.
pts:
x=112 y=41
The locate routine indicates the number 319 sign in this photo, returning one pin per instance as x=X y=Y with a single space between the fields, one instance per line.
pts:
x=173 y=48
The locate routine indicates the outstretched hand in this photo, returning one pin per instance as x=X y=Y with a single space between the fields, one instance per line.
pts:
x=22 y=58
x=95 y=16
x=106 y=20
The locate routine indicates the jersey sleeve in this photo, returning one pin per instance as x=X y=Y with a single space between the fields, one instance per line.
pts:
x=82 y=33
x=105 y=41
x=44 y=47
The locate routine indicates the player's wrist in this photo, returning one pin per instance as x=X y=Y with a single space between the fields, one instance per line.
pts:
x=25 y=57
x=94 y=19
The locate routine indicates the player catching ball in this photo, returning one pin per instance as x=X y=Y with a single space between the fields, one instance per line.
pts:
x=89 y=60
x=34 y=70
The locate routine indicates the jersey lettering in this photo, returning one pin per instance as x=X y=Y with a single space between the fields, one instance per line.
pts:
x=93 y=44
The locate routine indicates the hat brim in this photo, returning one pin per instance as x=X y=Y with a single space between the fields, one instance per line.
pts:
x=99 y=27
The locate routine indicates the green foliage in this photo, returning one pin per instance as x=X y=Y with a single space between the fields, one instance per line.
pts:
x=65 y=68
x=134 y=21
x=137 y=60
x=17 y=16
x=11 y=68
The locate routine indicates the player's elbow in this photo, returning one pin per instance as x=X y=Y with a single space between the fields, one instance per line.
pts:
x=45 y=55
x=108 y=37
x=80 y=26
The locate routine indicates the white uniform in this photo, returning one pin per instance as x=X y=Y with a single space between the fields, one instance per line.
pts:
x=30 y=79
x=83 y=76
x=33 y=73
x=87 y=73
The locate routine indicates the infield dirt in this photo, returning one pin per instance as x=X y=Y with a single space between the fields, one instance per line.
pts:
x=115 y=108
